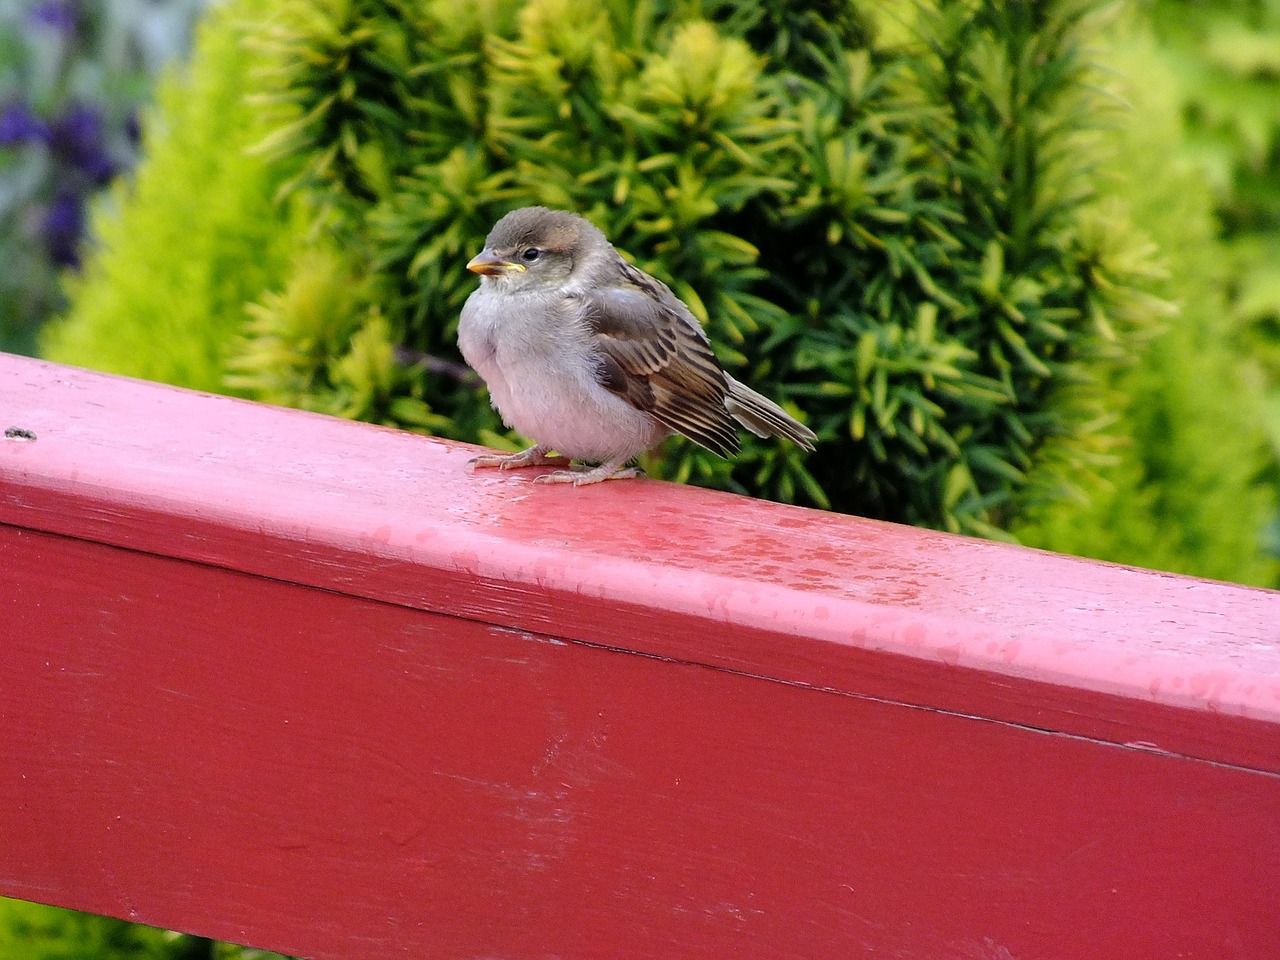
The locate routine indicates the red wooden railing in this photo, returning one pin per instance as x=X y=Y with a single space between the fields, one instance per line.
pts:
x=306 y=684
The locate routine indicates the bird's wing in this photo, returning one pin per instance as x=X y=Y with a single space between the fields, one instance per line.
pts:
x=655 y=356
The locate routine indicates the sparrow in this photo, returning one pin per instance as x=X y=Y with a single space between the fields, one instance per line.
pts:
x=594 y=359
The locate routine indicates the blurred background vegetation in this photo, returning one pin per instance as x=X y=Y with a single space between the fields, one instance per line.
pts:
x=73 y=76
x=1018 y=264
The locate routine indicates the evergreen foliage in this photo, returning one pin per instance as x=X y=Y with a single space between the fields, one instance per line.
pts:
x=890 y=218
x=32 y=931
x=38 y=932
x=1221 y=59
x=900 y=237
x=1192 y=488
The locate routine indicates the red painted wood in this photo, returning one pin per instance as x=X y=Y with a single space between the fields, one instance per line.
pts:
x=306 y=684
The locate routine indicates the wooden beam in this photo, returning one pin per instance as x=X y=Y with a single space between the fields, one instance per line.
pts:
x=306 y=684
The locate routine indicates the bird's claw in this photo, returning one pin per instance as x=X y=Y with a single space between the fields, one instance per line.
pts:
x=536 y=456
x=533 y=457
x=580 y=477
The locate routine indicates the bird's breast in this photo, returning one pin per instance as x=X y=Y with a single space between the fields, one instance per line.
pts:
x=542 y=371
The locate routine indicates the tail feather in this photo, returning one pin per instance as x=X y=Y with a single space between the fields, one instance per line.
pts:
x=763 y=417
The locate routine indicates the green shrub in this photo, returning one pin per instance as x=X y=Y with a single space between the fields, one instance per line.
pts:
x=1191 y=486
x=36 y=932
x=33 y=931
x=902 y=238
x=889 y=218
x=1222 y=59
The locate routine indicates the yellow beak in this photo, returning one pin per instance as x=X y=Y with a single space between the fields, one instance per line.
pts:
x=491 y=265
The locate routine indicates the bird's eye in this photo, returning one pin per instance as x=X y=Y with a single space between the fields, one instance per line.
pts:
x=532 y=254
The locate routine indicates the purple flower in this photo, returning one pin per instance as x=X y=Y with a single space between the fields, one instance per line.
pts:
x=18 y=124
x=100 y=167
x=78 y=135
x=63 y=227
x=58 y=14
x=79 y=129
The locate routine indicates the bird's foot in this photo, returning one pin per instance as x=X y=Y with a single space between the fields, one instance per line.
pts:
x=535 y=456
x=581 y=477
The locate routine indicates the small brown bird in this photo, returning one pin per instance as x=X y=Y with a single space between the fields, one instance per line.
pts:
x=593 y=358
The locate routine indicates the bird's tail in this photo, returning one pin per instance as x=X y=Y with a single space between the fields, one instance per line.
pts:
x=763 y=417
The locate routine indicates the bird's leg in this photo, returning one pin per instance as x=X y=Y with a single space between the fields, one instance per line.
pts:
x=535 y=456
x=615 y=469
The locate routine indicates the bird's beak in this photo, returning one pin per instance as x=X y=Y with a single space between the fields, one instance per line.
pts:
x=490 y=264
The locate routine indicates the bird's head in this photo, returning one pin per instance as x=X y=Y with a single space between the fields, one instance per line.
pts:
x=533 y=246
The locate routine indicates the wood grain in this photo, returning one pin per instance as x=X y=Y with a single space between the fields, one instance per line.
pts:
x=306 y=684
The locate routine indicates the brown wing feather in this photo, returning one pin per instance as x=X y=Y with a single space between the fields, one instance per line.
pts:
x=655 y=356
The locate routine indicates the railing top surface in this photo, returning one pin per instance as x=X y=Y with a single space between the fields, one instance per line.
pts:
x=825 y=600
